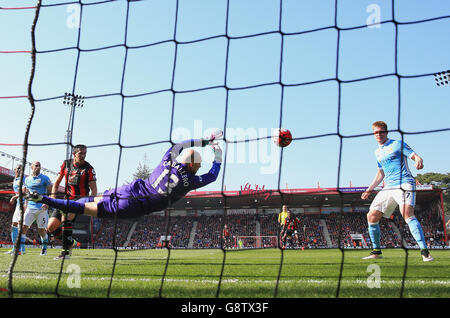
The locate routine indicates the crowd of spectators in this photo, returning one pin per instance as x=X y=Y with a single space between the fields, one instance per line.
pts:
x=151 y=228
x=5 y=227
x=208 y=231
x=311 y=232
x=432 y=226
x=342 y=226
x=243 y=227
x=105 y=235
x=269 y=228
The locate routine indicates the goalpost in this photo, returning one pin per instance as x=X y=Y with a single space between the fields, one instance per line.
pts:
x=257 y=241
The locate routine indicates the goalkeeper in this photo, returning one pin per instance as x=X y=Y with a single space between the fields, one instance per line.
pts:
x=169 y=182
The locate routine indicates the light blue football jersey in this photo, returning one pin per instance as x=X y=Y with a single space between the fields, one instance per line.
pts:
x=37 y=184
x=16 y=186
x=392 y=157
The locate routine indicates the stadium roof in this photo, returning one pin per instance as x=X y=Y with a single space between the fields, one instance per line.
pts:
x=266 y=199
x=6 y=175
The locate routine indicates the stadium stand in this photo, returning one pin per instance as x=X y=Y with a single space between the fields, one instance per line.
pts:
x=432 y=224
x=104 y=238
x=356 y=223
x=195 y=228
x=147 y=232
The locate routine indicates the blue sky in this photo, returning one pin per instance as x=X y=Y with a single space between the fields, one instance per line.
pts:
x=178 y=83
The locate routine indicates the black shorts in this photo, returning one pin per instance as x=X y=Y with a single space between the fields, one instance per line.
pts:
x=291 y=232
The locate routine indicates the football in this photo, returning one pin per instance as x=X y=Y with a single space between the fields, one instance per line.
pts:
x=282 y=137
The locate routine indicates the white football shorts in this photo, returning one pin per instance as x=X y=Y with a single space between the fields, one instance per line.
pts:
x=16 y=215
x=389 y=198
x=40 y=216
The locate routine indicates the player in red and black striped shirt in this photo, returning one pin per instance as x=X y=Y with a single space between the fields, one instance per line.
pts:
x=226 y=237
x=80 y=182
x=290 y=229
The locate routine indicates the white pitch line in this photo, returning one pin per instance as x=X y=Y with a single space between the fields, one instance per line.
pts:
x=239 y=281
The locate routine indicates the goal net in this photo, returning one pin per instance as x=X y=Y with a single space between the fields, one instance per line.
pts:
x=256 y=242
x=151 y=73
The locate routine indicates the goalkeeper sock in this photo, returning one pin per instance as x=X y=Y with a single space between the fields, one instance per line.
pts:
x=67 y=234
x=67 y=206
x=56 y=233
x=416 y=231
x=374 y=233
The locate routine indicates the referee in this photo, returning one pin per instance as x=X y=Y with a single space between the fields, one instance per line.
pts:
x=282 y=220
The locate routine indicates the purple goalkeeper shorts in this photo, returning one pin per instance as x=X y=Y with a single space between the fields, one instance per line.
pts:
x=130 y=201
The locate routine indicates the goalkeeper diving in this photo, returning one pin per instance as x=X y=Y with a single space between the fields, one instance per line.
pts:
x=170 y=181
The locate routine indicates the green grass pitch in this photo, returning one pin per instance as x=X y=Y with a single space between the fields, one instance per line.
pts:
x=246 y=274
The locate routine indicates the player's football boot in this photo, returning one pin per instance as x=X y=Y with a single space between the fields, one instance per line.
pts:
x=74 y=243
x=35 y=197
x=43 y=252
x=426 y=255
x=64 y=255
x=374 y=255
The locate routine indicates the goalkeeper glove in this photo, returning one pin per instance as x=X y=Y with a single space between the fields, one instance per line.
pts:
x=214 y=136
x=217 y=153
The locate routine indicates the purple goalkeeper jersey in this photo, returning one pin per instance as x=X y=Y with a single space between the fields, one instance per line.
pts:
x=168 y=182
